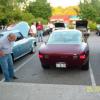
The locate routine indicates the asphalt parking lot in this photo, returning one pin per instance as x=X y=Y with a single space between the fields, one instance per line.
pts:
x=34 y=82
x=29 y=70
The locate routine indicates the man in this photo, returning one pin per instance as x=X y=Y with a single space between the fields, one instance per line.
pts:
x=40 y=31
x=6 y=62
x=51 y=26
x=33 y=30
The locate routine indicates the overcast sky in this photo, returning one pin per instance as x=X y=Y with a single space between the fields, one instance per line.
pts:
x=64 y=3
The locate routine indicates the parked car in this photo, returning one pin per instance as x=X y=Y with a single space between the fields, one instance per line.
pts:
x=59 y=25
x=23 y=44
x=82 y=25
x=65 y=48
x=46 y=30
x=98 y=30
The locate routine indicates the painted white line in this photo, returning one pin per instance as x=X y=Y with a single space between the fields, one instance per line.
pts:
x=92 y=76
x=19 y=67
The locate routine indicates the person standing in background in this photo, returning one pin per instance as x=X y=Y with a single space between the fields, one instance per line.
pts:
x=33 y=30
x=39 y=27
x=6 y=62
x=51 y=26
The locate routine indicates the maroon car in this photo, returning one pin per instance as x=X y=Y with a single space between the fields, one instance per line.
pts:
x=64 y=48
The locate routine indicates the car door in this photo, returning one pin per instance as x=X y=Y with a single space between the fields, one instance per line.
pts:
x=20 y=46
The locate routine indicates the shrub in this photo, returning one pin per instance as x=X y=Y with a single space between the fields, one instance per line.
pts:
x=44 y=21
x=28 y=17
x=92 y=25
x=98 y=20
x=71 y=26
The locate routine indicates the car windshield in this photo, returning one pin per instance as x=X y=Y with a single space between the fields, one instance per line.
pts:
x=65 y=37
x=59 y=25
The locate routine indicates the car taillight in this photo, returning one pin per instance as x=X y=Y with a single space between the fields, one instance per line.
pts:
x=40 y=56
x=82 y=56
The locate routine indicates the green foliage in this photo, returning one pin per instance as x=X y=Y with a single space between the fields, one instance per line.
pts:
x=40 y=9
x=44 y=21
x=10 y=11
x=90 y=10
x=98 y=20
x=71 y=26
x=92 y=25
x=28 y=17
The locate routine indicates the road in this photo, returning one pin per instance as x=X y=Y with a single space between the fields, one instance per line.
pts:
x=28 y=69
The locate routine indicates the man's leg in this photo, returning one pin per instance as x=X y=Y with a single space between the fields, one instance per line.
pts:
x=41 y=35
x=10 y=66
x=4 y=67
x=38 y=36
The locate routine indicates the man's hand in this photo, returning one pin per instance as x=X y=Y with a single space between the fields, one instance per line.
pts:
x=1 y=53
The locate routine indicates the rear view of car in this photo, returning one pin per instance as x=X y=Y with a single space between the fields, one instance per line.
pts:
x=59 y=25
x=65 y=48
x=82 y=25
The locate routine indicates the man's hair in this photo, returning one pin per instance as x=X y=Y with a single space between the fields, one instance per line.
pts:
x=11 y=34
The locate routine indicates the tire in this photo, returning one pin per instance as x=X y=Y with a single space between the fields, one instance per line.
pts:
x=33 y=49
x=86 y=66
x=45 y=66
x=35 y=44
x=98 y=33
x=0 y=70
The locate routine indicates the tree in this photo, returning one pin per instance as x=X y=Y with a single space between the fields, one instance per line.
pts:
x=10 y=12
x=90 y=9
x=40 y=8
x=5 y=7
x=71 y=10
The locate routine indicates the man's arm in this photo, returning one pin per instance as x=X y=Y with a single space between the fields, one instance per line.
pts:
x=1 y=52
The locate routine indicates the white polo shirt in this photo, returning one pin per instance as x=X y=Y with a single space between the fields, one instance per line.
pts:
x=33 y=27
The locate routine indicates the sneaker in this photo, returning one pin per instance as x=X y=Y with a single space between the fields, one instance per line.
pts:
x=14 y=77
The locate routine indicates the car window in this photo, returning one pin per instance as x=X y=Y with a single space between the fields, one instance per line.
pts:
x=59 y=25
x=1 y=35
x=65 y=37
x=19 y=36
x=81 y=24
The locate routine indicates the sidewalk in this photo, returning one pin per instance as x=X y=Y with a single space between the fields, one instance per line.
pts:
x=29 y=91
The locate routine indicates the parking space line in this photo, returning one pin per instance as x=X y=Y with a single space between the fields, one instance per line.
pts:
x=92 y=76
x=19 y=67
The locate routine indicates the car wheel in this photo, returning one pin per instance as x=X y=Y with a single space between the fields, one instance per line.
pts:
x=86 y=66
x=45 y=66
x=33 y=49
x=0 y=70
x=98 y=33
x=35 y=44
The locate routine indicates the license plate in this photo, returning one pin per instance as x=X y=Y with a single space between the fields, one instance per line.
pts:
x=61 y=65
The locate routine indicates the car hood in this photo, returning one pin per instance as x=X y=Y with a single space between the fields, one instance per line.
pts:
x=62 y=48
x=22 y=27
